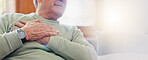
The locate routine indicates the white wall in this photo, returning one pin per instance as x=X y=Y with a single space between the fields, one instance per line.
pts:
x=125 y=26
x=79 y=12
x=10 y=6
x=2 y=7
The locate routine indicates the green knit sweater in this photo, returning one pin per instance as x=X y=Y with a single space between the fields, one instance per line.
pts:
x=68 y=45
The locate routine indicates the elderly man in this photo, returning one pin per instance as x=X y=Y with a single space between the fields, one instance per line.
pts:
x=39 y=36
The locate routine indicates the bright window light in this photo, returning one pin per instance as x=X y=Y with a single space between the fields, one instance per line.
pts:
x=79 y=12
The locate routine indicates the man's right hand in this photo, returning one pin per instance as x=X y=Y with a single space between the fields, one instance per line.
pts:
x=36 y=30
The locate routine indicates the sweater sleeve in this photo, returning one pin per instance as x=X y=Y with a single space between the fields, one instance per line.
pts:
x=76 y=49
x=9 y=41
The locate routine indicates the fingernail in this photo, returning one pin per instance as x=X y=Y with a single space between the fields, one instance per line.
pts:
x=57 y=32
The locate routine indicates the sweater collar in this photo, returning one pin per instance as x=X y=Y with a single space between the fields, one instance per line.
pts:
x=43 y=19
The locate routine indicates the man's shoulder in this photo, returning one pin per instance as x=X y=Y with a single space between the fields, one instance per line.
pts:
x=12 y=14
x=17 y=15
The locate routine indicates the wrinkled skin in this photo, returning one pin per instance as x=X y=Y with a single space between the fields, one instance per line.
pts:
x=51 y=9
x=37 y=31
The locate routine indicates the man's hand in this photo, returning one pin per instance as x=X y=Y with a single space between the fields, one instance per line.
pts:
x=43 y=40
x=37 y=30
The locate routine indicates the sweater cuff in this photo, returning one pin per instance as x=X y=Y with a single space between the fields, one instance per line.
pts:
x=14 y=40
x=54 y=42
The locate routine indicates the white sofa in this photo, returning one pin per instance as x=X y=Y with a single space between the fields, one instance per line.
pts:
x=124 y=56
x=120 y=50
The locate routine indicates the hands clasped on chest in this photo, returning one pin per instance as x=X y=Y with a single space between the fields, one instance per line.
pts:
x=37 y=31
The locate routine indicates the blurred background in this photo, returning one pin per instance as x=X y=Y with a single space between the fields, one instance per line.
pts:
x=81 y=13
x=121 y=25
x=78 y=13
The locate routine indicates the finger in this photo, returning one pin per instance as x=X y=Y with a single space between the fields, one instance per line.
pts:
x=18 y=24
x=51 y=27
x=40 y=21
x=37 y=21
x=52 y=30
x=46 y=25
x=38 y=41
x=23 y=22
x=34 y=21
x=31 y=22
x=12 y=29
x=51 y=34
x=58 y=32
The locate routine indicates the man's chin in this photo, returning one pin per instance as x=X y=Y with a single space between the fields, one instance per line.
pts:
x=58 y=14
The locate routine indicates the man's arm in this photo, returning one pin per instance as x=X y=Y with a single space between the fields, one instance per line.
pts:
x=77 y=49
x=8 y=41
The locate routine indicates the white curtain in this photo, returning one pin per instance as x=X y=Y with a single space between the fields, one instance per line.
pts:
x=2 y=6
x=7 y=6
x=10 y=6
x=79 y=12
x=125 y=26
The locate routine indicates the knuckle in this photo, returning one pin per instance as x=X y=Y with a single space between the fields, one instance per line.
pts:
x=29 y=22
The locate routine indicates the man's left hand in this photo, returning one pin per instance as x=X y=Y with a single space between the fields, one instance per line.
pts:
x=22 y=23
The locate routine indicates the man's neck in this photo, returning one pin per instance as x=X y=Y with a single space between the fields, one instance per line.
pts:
x=46 y=16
